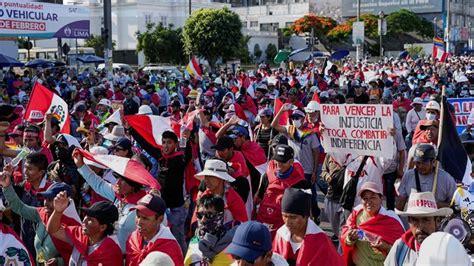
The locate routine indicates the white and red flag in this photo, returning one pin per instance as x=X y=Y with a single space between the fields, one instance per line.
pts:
x=439 y=53
x=151 y=127
x=43 y=101
x=123 y=166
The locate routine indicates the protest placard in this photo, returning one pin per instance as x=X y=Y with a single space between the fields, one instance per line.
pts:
x=359 y=129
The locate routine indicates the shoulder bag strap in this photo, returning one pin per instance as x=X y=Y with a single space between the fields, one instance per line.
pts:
x=417 y=180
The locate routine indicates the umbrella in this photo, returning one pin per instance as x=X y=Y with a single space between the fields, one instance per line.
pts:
x=59 y=63
x=281 y=56
x=297 y=51
x=91 y=59
x=317 y=54
x=39 y=63
x=403 y=54
x=6 y=61
x=338 y=55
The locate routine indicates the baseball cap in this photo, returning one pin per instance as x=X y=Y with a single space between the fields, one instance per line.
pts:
x=297 y=114
x=79 y=107
x=238 y=131
x=54 y=190
x=123 y=143
x=151 y=204
x=265 y=112
x=424 y=152
x=251 y=240
x=425 y=124
x=370 y=186
x=224 y=142
x=283 y=153
x=104 y=211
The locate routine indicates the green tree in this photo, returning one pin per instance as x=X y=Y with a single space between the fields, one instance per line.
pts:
x=271 y=51
x=243 y=51
x=213 y=34
x=97 y=42
x=161 y=44
x=256 y=51
x=403 y=21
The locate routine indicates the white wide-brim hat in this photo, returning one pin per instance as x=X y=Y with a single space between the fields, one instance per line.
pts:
x=216 y=168
x=423 y=204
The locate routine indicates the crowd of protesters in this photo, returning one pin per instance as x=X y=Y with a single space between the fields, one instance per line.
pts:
x=237 y=183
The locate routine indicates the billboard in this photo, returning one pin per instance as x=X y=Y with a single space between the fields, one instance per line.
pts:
x=41 y=20
x=349 y=7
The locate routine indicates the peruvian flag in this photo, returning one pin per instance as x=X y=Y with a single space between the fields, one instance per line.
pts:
x=151 y=127
x=188 y=119
x=12 y=249
x=439 y=53
x=284 y=118
x=316 y=97
x=126 y=167
x=43 y=101
x=193 y=69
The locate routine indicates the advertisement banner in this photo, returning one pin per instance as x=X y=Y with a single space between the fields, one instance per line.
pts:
x=462 y=107
x=359 y=129
x=42 y=20
x=349 y=7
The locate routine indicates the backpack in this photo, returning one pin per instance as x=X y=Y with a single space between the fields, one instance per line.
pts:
x=269 y=212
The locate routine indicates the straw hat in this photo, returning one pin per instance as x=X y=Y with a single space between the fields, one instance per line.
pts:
x=423 y=204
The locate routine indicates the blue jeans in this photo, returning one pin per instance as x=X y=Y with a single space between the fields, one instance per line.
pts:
x=176 y=219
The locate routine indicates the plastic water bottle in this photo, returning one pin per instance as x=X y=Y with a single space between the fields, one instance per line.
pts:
x=182 y=140
x=367 y=236
x=22 y=155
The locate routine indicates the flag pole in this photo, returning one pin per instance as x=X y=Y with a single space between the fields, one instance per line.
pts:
x=440 y=136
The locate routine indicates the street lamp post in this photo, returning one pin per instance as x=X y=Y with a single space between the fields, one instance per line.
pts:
x=435 y=27
x=381 y=31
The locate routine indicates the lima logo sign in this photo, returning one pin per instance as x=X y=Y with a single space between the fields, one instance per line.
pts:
x=67 y=31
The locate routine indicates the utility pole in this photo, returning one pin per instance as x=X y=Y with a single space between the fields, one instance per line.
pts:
x=107 y=36
x=190 y=5
x=381 y=31
x=448 y=26
x=358 y=45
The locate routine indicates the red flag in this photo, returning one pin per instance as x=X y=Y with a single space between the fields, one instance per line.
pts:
x=43 y=101
x=316 y=97
x=126 y=167
x=284 y=117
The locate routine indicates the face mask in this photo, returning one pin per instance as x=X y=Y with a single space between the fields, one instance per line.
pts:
x=213 y=226
x=314 y=119
x=297 y=123
x=430 y=116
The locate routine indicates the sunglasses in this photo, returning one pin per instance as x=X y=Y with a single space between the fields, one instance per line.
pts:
x=208 y=215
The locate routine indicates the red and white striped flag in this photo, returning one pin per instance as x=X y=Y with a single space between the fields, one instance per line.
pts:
x=439 y=53
x=43 y=101
x=151 y=127
x=126 y=167
x=193 y=69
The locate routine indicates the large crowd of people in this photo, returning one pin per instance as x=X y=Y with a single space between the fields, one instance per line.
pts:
x=231 y=168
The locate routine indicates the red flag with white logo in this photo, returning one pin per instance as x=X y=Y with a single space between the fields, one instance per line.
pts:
x=43 y=101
